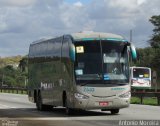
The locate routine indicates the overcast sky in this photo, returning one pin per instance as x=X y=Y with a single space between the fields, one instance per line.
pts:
x=24 y=21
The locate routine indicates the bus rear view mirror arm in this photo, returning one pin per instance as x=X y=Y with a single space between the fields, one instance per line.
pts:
x=133 y=50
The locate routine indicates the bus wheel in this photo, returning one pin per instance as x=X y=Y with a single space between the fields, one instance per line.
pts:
x=69 y=111
x=48 y=107
x=39 y=104
x=114 y=111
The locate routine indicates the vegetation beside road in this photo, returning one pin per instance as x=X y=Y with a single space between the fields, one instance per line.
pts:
x=13 y=60
x=14 y=91
x=146 y=101
x=13 y=71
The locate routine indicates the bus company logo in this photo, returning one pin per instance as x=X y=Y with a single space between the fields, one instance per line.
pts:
x=47 y=85
x=9 y=123
x=89 y=89
x=117 y=89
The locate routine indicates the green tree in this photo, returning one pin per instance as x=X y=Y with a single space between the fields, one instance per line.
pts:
x=156 y=62
x=145 y=57
x=9 y=81
x=155 y=39
x=23 y=64
x=12 y=76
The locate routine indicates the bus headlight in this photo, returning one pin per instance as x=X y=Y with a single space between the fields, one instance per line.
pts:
x=80 y=96
x=125 y=95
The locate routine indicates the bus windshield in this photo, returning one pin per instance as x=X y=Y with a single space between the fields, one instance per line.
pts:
x=102 y=61
x=140 y=73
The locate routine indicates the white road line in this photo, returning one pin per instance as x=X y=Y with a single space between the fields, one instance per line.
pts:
x=2 y=106
x=55 y=118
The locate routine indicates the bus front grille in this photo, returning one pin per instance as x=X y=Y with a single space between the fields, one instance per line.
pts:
x=103 y=96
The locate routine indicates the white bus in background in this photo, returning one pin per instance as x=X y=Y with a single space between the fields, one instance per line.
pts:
x=140 y=77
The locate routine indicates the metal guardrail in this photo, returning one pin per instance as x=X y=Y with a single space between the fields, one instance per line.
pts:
x=142 y=93
x=14 y=90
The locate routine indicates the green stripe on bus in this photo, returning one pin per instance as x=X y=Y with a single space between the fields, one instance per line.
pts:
x=111 y=39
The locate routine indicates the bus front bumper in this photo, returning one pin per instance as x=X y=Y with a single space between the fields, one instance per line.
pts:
x=101 y=103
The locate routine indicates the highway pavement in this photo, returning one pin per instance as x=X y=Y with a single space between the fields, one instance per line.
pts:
x=16 y=110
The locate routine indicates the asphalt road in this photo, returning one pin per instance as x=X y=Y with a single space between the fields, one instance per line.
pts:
x=16 y=110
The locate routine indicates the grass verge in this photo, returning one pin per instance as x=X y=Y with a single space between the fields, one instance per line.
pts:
x=146 y=101
x=13 y=91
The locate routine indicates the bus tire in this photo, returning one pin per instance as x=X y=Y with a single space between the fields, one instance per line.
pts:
x=39 y=104
x=114 y=111
x=69 y=111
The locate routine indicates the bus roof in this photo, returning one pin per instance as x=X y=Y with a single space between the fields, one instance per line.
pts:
x=87 y=35
x=96 y=36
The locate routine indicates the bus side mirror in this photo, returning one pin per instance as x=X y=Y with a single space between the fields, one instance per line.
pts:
x=72 y=52
x=133 y=51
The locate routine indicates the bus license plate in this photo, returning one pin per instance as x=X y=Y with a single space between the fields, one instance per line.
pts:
x=103 y=103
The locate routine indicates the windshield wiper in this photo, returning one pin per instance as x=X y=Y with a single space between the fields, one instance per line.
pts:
x=92 y=77
x=89 y=76
x=87 y=82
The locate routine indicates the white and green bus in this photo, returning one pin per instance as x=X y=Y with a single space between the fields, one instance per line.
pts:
x=86 y=70
x=140 y=77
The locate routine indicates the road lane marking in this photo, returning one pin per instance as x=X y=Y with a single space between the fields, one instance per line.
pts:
x=2 y=106
x=55 y=118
